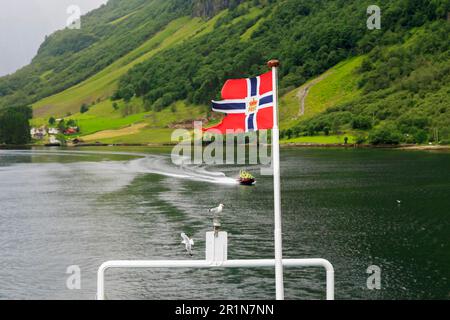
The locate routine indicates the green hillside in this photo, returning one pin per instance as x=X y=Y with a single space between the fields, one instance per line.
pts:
x=68 y=57
x=102 y=85
x=335 y=86
x=142 y=67
x=398 y=94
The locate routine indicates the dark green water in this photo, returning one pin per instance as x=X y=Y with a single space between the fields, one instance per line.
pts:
x=62 y=208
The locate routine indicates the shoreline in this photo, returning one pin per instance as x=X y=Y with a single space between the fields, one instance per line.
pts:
x=282 y=145
x=426 y=147
x=368 y=146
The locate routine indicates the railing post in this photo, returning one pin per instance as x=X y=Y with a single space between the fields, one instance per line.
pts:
x=101 y=282
x=216 y=247
x=330 y=284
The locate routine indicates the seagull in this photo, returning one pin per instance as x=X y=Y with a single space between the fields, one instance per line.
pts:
x=217 y=210
x=188 y=243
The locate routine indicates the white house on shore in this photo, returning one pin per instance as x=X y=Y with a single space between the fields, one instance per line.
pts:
x=38 y=133
x=53 y=131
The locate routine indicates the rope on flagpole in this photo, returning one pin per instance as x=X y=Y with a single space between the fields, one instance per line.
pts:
x=279 y=282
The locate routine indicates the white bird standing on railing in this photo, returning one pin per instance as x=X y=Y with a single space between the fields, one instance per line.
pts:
x=216 y=218
x=188 y=243
x=217 y=210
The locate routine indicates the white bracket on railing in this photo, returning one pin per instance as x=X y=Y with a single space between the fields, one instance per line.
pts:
x=216 y=257
x=216 y=247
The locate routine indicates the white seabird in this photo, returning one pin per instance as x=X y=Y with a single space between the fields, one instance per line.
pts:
x=188 y=243
x=217 y=210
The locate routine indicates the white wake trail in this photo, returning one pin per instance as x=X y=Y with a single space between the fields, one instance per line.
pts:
x=144 y=164
x=162 y=166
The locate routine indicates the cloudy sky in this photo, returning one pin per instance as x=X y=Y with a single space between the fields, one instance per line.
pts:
x=25 y=23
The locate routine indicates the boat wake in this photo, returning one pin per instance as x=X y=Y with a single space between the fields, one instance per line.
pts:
x=143 y=164
x=161 y=165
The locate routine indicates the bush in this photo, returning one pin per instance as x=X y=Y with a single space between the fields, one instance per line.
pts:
x=62 y=125
x=71 y=123
x=61 y=138
x=421 y=136
x=289 y=133
x=84 y=108
x=127 y=93
x=409 y=123
x=14 y=126
x=362 y=122
x=387 y=134
x=360 y=139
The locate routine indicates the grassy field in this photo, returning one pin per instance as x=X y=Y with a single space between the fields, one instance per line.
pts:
x=145 y=127
x=106 y=134
x=339 y=87
x=336 y=86
x=100 y=117
x=144 y=136
x=289 y=107
x=332 y=139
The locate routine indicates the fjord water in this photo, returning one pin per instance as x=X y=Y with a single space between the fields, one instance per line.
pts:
x=62 y=208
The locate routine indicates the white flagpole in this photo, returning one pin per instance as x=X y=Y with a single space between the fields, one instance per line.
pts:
x=274 y=64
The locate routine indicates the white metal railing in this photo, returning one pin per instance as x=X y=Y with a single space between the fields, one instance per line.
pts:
x=211 y=264
x=216 y=257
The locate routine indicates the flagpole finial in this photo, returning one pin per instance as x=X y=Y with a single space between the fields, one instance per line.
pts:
x=273 y=64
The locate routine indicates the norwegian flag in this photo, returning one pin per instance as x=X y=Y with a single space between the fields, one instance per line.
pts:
x=248 y=104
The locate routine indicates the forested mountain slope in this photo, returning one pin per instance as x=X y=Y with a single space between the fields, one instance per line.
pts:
x=399 y=92
x=70 y=56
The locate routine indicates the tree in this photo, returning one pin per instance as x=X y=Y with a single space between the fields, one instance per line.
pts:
x=127 y=93
x=14 y=126
x=51 y=121
x=71 y=123
x=115 y=106
x=362 y=122
x=420 y=136
x=84 y=108
x=386 y=134
x=289 y=133
x=62 y=125
x=360 y=139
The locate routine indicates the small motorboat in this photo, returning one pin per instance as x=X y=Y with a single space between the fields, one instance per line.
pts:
x=247 y=182
x=246 y=179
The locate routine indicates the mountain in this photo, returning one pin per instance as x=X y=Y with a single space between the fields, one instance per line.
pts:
x=139 y=68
